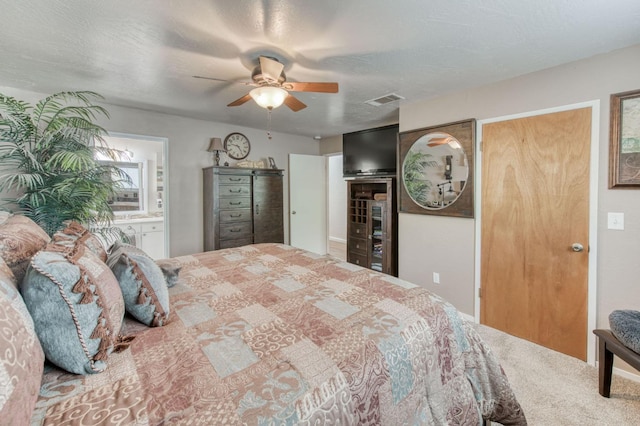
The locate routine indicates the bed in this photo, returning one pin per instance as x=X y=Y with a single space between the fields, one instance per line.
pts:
x=265 y=334
x=271 y=334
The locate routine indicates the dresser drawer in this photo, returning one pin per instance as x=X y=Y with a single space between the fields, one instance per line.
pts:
x=358 y=230
x=151 y=227
x=235 y=203
x=230 y=179
x=231 y=231
x=234 y=190
x=235 y=243
x=358 y=245
x=235 y=215
x=358 y=259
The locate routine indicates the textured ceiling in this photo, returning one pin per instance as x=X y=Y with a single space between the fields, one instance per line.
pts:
x=143 y=53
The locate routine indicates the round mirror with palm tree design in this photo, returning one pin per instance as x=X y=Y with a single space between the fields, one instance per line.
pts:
x=435 y=171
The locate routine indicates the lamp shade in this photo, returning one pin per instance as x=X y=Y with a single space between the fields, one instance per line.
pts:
x=215 y=145
x=269 y=97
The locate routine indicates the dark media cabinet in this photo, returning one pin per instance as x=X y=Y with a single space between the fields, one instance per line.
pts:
x=372 y=225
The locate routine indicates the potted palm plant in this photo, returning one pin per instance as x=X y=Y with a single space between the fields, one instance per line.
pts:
x=48 y=166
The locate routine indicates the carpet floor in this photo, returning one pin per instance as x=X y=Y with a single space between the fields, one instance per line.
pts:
x=556 y=389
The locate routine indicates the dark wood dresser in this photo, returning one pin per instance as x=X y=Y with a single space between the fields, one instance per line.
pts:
x=242 y=206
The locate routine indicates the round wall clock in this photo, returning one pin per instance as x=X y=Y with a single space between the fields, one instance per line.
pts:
x=237 y=146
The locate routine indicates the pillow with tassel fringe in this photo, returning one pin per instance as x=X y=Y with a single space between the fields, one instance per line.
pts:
x=76 y=306
x=144 y=289
x=74 y=233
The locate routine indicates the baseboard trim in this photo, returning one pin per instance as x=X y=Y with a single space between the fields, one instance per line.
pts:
x=467 y=317
x=338 y=240
x=626 y=374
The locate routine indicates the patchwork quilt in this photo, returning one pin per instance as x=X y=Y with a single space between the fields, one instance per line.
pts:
x=269 y=334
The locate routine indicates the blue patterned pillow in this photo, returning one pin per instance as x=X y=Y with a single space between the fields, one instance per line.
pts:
x=625 y=325
x=76 y=306
x=145 y=292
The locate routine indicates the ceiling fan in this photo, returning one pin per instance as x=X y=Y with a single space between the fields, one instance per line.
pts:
x=272 y=88
x=443 y=140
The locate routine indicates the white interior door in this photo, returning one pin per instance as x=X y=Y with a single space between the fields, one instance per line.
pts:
x=308 y=202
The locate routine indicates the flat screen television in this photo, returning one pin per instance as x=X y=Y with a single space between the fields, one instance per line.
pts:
x=370 y=152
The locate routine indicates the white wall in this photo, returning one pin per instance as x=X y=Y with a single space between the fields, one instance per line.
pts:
x=188 y=141
x=422 y=238
x=337 y=194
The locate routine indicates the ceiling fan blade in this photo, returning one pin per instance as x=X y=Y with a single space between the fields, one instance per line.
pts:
x=311 y=87
x=240 y=101
x=293 y=103
x=438 y=141
x=211 y=78
x=244 y=83
x=271 y=69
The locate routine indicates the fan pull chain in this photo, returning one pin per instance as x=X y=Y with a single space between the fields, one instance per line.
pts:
x=269 y=123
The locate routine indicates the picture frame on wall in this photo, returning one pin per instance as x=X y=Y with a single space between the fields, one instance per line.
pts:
x=436 y=170
x=624 y=142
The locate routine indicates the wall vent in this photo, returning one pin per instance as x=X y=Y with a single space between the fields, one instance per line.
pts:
x=391 y=97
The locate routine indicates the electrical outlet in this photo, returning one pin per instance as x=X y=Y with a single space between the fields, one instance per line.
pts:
x=436 y=278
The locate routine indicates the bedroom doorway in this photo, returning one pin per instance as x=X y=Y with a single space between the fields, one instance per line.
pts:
x=141 y=211
x=535 y=228
x=308 y=202
x=336 y=208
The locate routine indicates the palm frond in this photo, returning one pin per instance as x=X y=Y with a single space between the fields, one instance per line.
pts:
x=47 y=159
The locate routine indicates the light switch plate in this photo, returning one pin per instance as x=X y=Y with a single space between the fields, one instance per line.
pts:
x=615 y=221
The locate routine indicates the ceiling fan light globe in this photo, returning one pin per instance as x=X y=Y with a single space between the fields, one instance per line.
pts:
x=269 y=97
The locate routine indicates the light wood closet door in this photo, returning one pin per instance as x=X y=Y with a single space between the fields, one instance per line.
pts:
x=535 y=206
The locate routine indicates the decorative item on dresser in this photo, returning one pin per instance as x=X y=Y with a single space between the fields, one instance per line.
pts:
x=372 y=225
x=215 y=146
x=242 y=206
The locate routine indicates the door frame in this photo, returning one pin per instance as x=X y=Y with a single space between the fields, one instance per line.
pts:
x=593 y=212
x=165 y=167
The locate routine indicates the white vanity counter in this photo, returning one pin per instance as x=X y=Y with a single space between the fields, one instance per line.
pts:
x=119 y=220
x=146 y=233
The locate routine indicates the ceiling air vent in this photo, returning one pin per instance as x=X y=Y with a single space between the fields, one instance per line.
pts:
x=391 y=97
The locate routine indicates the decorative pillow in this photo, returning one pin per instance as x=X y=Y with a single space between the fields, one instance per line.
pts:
x=21 y=356
x=145 y=292
x=625 y=325
x=76 y=306
x=75 y=232
x=6 y=274
x=20 y=238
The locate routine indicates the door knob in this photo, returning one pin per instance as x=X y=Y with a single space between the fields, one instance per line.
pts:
x=293 y=212
x=577 y=247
